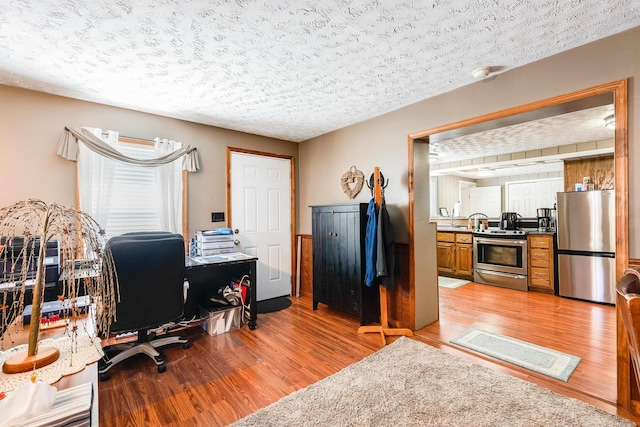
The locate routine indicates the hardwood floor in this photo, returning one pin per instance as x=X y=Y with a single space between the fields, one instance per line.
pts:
x=223 y=378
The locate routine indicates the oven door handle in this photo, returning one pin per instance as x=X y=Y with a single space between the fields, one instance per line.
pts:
x=499 y=273
x=500 y=241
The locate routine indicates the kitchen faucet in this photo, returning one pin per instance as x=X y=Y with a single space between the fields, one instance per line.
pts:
x=477 y=219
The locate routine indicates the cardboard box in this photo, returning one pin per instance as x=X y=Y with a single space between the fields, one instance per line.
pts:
x=218 y=321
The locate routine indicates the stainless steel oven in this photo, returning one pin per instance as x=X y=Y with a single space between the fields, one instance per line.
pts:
x=500 y=259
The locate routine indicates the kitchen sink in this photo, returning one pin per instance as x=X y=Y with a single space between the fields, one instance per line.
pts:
x=453 y=227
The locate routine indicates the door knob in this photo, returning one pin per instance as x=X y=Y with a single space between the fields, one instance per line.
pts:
x=236 y=242
x=236 y=231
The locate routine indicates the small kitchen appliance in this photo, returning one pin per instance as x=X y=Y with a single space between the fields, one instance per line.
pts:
x=545 y=216
x=508 y=221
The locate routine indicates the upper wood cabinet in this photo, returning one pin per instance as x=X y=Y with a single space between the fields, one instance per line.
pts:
x=599 y=169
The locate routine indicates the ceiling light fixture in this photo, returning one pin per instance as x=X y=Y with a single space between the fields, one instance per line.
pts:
x=481 y=73
x=610 y=122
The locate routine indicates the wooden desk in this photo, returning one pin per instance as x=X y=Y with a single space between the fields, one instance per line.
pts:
x=205 y=278
x=202 y=277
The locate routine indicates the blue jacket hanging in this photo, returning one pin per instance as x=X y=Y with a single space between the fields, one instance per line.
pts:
x=370 y=247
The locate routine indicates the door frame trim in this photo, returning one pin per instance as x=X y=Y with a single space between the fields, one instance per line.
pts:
x=292 y=226
x=621 y=165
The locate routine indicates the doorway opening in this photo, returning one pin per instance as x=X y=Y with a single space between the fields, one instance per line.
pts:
x=419 y=192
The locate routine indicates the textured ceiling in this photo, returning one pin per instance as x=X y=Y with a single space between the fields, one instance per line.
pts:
x=572 y=128
x=289 y=69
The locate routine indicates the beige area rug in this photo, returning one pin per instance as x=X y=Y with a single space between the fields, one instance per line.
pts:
x=451 y=283
x=530 y=356
x=408 y=383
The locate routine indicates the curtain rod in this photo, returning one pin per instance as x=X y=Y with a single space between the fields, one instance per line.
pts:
x=122 y=136
x=135 y=137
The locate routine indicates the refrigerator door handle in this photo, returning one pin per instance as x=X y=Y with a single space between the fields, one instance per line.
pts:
x=587 y=253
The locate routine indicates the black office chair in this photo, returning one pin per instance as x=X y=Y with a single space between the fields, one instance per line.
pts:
x=628 y=301
x=150 y=270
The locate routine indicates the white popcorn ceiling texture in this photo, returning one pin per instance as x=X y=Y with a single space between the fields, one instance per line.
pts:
x=571 y=128
x=288 y=69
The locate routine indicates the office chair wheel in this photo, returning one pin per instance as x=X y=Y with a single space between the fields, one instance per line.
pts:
x=104 y=376
x=186 y=345
x=162 y=368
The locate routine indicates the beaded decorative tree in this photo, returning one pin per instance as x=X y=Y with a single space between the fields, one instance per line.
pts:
x=79 y=237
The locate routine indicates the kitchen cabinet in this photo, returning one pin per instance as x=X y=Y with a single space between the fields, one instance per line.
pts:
x=455 y=254
x=541 y=263
x=338 y=233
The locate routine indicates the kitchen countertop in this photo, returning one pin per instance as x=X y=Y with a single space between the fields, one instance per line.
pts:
x=548 y=233
x=457 y=229
x=465 y=229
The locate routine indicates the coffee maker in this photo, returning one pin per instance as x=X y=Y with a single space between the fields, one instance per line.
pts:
x=546 y=219
x=508 y=221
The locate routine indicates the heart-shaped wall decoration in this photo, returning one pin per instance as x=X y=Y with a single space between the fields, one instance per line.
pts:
x=352 y=181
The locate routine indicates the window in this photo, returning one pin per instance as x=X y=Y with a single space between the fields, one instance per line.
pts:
x=124 y=198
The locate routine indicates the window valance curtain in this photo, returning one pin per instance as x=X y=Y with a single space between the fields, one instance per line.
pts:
x=68 y=148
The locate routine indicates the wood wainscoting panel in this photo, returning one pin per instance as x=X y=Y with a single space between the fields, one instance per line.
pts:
x=601 y=170
x=398 y=298
x=306 y=265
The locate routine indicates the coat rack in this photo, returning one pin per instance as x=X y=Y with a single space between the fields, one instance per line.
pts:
x=383 y=329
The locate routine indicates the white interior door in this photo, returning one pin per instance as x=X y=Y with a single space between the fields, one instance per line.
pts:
x=486 y=200
x=261 y=214
x=525 y=197
x=465 y=202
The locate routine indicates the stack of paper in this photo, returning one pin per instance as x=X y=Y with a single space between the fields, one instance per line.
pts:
x=213 y=243
x=72 y=408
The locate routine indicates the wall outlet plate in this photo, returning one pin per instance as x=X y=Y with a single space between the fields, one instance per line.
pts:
x=217 y=216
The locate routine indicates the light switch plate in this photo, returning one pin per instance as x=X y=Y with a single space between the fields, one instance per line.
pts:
x=217 y=216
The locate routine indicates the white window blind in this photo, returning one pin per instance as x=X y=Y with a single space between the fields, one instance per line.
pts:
x=135 y=195
x=126 y=198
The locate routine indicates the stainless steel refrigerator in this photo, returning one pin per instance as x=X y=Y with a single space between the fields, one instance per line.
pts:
x=586 y=233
